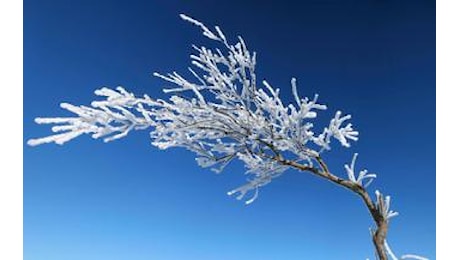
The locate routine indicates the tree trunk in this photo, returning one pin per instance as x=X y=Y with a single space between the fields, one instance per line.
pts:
x=379 y=239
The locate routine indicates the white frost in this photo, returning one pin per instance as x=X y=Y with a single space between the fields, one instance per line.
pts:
x=406 y=256
x=363 y=174
x=383 y=206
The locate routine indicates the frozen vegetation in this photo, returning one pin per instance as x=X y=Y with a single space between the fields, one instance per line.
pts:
x=222 y=113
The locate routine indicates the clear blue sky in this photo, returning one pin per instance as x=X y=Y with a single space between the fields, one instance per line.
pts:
x=127 y=200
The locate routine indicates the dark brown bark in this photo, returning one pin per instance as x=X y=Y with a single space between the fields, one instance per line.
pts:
x=380 y=233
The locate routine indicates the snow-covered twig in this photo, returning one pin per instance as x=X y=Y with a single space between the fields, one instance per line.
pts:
x=383 y=206
x=407 y=256
x=363 y=174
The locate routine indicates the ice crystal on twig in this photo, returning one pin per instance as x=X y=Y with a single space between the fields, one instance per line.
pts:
x=383 y=206
x=363 y=174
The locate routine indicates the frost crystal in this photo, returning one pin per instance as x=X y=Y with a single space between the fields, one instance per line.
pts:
x=407 y=256
x=383 y=206
x=362 y=174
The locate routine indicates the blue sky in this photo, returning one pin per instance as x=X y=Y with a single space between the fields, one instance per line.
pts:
x=128 y=200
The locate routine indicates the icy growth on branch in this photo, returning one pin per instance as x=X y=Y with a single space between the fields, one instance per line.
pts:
x=222 y=113
x=416 y=257
x=383 y=206
x=407 y=256
x=336 y=130
x=363 y=174
x=114 y=118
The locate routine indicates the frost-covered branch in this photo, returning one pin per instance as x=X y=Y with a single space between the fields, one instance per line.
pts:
x=407 y=256
x=222 y=113
x=112 y=118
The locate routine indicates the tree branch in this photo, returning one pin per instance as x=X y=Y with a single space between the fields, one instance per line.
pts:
x=379 y=235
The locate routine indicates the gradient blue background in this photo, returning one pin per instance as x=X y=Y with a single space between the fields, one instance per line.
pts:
x=128 y=200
